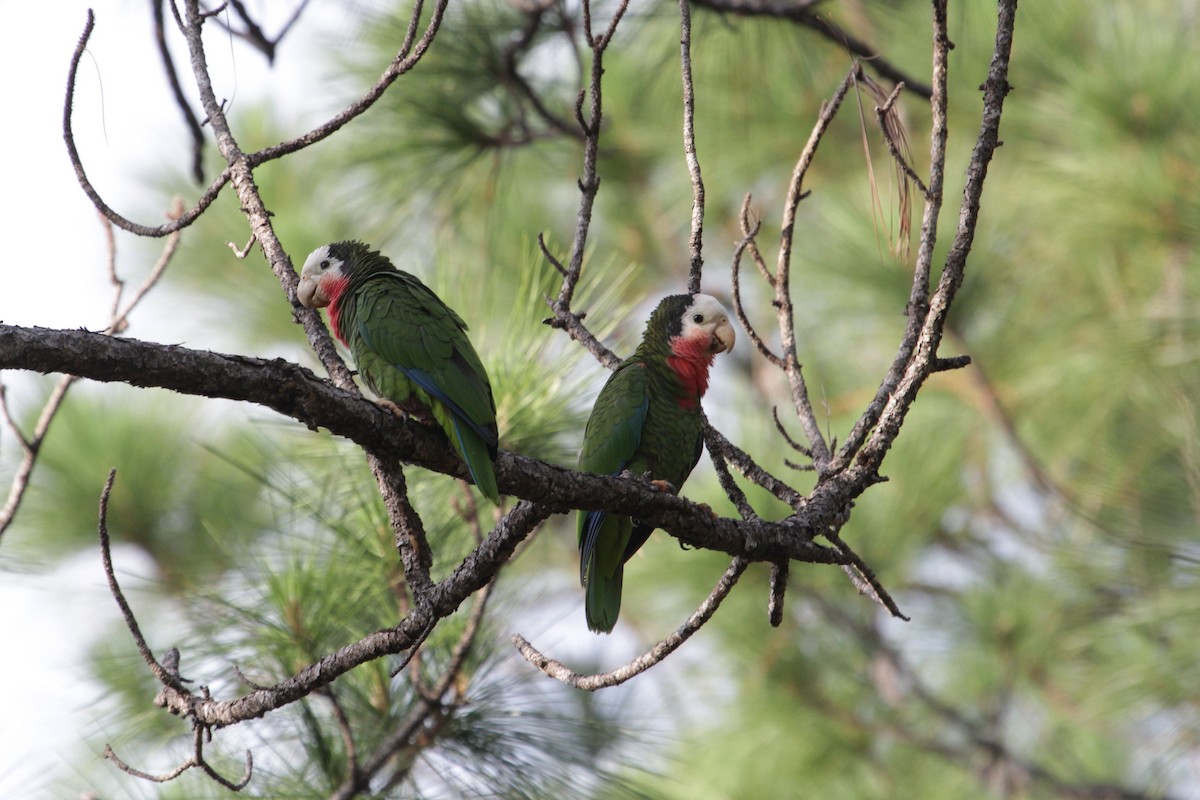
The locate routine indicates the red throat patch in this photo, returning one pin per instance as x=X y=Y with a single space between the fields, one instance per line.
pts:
x=332 y=286
x=690 y=359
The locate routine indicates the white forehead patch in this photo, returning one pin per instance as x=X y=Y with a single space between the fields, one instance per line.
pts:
x=704 y=310
x=312 y=264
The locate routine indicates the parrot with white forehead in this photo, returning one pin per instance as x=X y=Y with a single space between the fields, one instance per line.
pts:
x=409 y=347
x=646 y=419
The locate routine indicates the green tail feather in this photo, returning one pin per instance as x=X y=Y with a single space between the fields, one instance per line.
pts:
x=602 y=599
x=602 y=542
x=475 y=452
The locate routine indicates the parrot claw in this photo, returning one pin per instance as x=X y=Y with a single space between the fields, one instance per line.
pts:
x=409 y=410
x=392 y=407
x=662 y=486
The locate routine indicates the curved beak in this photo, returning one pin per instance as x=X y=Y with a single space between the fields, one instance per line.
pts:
x=723 y=337
x=309 y=293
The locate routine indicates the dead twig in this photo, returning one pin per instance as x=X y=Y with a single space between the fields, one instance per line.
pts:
x=196 y=761
x=590 y=683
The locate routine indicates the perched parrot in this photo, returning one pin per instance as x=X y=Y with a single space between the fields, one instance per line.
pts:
x=646 y=419
x=408 y=346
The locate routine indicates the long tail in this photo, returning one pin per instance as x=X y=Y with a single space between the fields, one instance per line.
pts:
x=602 y=541
x=477 y=455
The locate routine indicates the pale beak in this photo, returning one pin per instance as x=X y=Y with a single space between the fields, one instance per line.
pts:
x=723 y=337
x=309 y=293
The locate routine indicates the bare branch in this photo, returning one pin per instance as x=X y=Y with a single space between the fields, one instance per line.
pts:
x=31 y=445
x=196 y=761
x=918 y=352
x=590 y=683
x=748 y=233
x=407 y=527
x=783 y=297
x=185 y=110
x=179 y=223
x=409 y=56
x=863 y=577
x=918 y=305
x=589 y=184
x=695 y=241
x=804 y=13
x=715 y=441
x=165 y=677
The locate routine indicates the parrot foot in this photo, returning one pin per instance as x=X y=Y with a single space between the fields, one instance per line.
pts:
x=390 y=406
x=410 y=408
x=662 y=486
x=704 y=507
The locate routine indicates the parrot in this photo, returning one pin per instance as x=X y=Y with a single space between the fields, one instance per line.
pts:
x=409 y=347
x=646 y=419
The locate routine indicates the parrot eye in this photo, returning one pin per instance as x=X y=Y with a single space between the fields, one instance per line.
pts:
x=325 y=264
x=697 y=318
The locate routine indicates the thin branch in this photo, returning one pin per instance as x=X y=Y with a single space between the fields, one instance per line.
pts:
x=863 y=577
x=725 y=478
x=407 y=528
x=196 y=761
x=121 y=222
x=804 y=13
x=120 y=318
x=347 y=732
x=749 y=231
x=779 y=570
x=590 y=683
x=783 y=297
x=31 y=446
x=589 y=184
x=410 y=54
x=787 y=437
x=695 y=241
x=931 y=326
x=715 y=441
x=918 y=304
x=254 y=35
x=165 y=677
x=519 y=45
x=190 y=121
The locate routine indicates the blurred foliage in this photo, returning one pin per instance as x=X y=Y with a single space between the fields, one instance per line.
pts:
x=1039 y=522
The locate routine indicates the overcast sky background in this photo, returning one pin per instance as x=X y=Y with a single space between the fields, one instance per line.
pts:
x=54 y=275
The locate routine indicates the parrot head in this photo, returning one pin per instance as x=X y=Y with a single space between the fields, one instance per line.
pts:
x=704 y=329
x=325 y=275
x=697 y=328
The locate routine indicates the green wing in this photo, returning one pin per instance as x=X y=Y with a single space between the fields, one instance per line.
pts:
x=614 y=429
x=406 y=326
x=610 y=444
